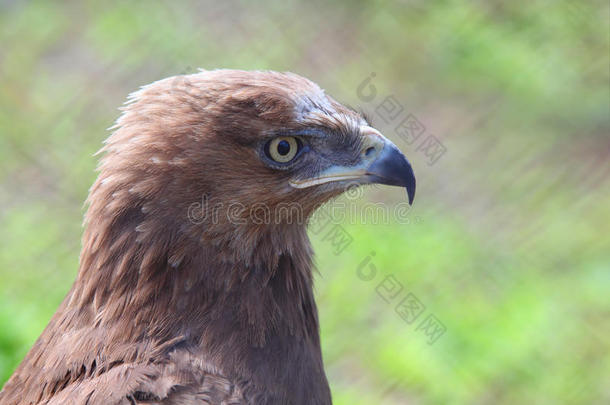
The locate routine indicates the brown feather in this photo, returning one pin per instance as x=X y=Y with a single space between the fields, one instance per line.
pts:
x=171 y=311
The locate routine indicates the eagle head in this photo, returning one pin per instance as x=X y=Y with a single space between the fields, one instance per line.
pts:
x=248 y=140
x=188 y=278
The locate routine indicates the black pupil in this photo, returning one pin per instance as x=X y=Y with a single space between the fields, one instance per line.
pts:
x=283 y=147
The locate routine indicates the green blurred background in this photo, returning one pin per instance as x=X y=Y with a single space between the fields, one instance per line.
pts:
x=507 y=245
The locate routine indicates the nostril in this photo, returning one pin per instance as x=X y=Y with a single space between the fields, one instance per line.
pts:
x=369 y=151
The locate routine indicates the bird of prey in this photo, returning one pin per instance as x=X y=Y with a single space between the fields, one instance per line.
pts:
x=195 y=275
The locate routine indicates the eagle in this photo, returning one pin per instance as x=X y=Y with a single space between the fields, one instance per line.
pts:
x=195 y=275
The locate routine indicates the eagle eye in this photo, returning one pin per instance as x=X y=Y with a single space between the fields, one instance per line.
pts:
x=283 y=149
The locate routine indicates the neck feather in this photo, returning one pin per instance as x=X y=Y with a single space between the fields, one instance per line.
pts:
x=250 y=304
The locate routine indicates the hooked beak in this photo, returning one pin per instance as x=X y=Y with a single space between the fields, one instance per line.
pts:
x=381 y=162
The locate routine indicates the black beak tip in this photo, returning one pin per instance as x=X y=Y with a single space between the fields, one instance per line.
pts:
x=411 y=193
x=410 y=186
x=393 y=168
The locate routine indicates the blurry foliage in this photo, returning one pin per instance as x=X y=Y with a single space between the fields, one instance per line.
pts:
x=511 y=252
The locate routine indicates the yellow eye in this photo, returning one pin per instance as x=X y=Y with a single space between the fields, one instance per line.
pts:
x=283 y=148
